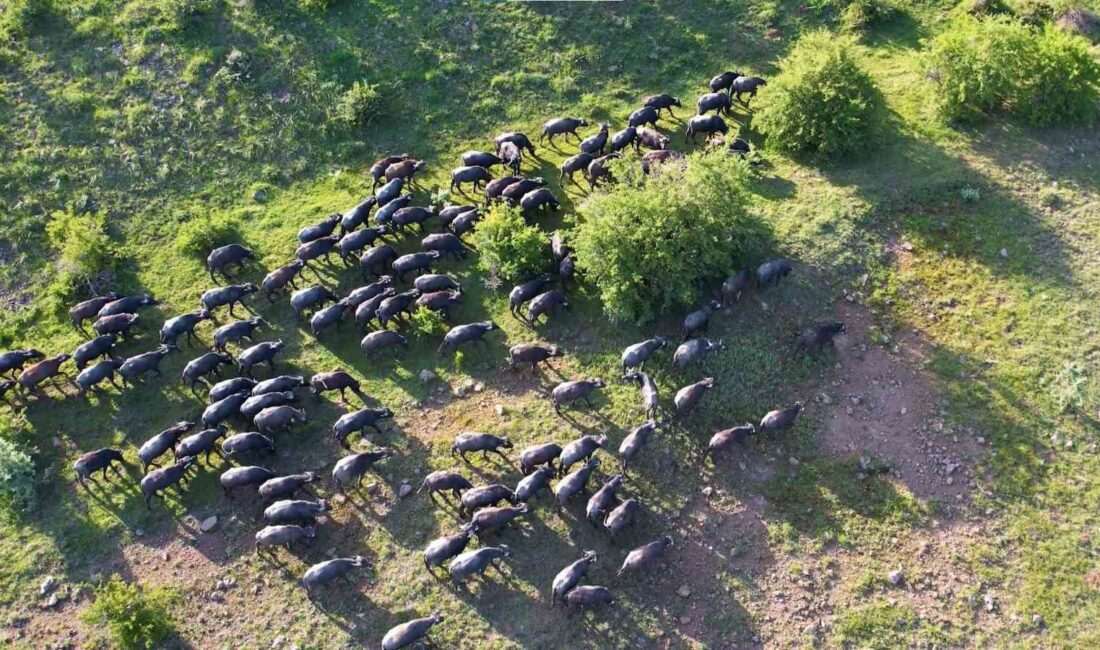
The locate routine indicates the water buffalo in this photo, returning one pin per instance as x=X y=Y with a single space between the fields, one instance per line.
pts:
x=533 y=354
x=184 y=324
x=310 y=298
x=687 y=397
x=340 y=380
x=120 y=324
x=443 y=481
x=88 y=309
x=350 y=469
x=742 y=85
x=382 y=339
x=263 y=352
x=693 y=350
x=278 y=418
x=562 y=126
x=161 y=479
x=723 y=81
x=519 y=139
x=358 y=214
x=99 y=460
x=580 y=449
x=706 y=125
x=325 y=572
x=158 y=445
x=221 y=258
x=572 y=165
x=320 y=229
x=717 y=102
x=780 y=419
x=469 y=174
x=725 y=437
x=462 y=334
x=652 y=140
x=32 y=377
x=100 y=346
x=645 y=115
x=568 y=392
x=735 y=285
x=404 y=635
x=635 y=356
x=625 y=138
x=236 y=331
x=229 y=295
x=127 y=305
x=281 y=278
x=359 y=421
x=473 y=441
x=772 y=272
x=664 y=101
x=594 y=144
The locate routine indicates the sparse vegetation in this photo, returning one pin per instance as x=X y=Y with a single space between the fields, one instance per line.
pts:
x=821 y=102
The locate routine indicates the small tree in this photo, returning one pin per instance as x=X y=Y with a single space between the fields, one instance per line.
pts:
x=137 y=618
x=647 y=244
x=821 y=102
x=509 y=248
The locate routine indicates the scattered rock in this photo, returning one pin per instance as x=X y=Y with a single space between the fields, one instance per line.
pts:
x=500 y=410
x=427 y=376
x=208 y=524
x=259 y=196
x=684 y=591
x=478 y=387
x=48 y=585
x=339 y=498
x=707 y=491
x=1004 y=252
x=896 y=577
x=54 y=600
x=990 y=602
x=1037 y=621
x=684 y=620
x=792 y=461
x=405 y=490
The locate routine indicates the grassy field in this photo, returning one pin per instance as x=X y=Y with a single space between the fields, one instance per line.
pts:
x=989 y=294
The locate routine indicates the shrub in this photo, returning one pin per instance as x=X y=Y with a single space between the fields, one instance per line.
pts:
x=204 y=233
x=1063 y=83
x=821 y=101
x=21 y=17
x=1033 y=12
x=317 y=5
x=997 y=63
x=237 y=67
x=360 y=105
x=17 y=487
x=509 y=248
x=861 y=15
x=136 y=617
x=648 y=242
x=426 y=324
x=84 y=250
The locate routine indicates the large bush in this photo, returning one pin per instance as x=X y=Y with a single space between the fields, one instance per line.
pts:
x=135 y=617
x=648 y=243
x=821 y=102
x=84 y=250
x=509 y=248
x=999 y=64
x=206 y=232
x=17 y=487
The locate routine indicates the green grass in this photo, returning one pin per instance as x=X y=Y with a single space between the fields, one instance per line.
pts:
x=141 y=109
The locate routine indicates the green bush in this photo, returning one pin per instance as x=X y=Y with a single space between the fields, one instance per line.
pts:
x=821 y=102
x=649 y=242
x=1000 y=64
x=861 y=15
x=84 y=250
x=136 y=617
x=19 y=17
x=509 y=248
x=17 y=486
x=360 y=105
x=426 y=324
x=204 y=233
